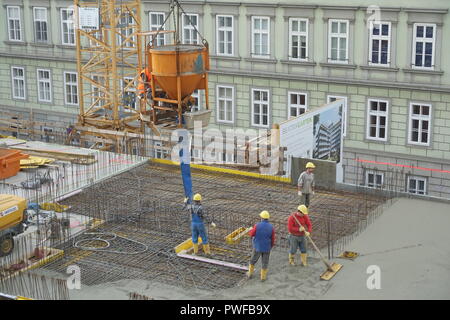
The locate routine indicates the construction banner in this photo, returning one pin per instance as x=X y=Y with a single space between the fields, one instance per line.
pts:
x=315 y=135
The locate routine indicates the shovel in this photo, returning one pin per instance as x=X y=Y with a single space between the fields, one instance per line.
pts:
x=332 y=268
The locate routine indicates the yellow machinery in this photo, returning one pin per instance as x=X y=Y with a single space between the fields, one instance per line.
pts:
x=12 y=221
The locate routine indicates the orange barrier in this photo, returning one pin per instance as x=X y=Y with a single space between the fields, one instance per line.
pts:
x=10 y=162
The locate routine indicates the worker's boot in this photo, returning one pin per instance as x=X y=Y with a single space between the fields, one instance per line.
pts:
x=206 y=249
x=263 y=274
x=195 y=248
x=291 y=259
x=251 y=269
x=303 y=257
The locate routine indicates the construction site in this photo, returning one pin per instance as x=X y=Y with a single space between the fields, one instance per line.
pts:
x=89 y=211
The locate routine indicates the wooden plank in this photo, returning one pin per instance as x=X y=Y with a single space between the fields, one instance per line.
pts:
x=56 y=153
x=213 y=261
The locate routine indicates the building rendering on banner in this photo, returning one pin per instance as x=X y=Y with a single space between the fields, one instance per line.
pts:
x=327 y=142
x=273 y=60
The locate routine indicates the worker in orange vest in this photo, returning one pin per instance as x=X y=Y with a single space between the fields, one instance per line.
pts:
x=144 y=83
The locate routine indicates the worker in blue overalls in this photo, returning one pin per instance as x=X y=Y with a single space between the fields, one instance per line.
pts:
x=198 y=217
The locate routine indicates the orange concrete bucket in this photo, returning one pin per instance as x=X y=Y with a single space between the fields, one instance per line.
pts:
x=189 y=62
x=10 y=162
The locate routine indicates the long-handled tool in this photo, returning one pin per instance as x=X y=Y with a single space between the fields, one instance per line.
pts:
x=332 y=268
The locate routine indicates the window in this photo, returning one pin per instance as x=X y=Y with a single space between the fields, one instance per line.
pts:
x=159 y=152
x=18 y=82
x=129 y=93
x=225 y=104
x=417 y=185
x=374 y=179
x=338 y=41
x=71 y=88
x=423 y=45
x=97 y=91
x=126 y=29
x=40 y=24
x=190 y=24
x=14 y=25
x=67 y=29
x=380 y=43
x=44 y=85
x=419 y=124
x=224 y=35
x=298 y=39
x=331 y=98
x=197 y=104
x=260 y=37
x=377 y=120
x=297 y=104
x=260 y=108
x=156 y=21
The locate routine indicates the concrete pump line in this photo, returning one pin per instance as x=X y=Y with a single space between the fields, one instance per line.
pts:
x=97 y=236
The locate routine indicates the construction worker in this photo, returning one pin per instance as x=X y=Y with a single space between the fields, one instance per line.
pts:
x=306 y=183
x=198 y=216
x=143 y=83
x=263 y=234
x=297 y=233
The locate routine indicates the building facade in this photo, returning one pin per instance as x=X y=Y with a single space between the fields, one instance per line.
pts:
x=273 y=60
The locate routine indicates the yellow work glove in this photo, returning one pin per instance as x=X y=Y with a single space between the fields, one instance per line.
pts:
x=213 y=224
x=301 y=229
x=307 y=233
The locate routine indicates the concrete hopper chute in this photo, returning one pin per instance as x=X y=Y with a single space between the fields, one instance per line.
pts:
x=173 y=72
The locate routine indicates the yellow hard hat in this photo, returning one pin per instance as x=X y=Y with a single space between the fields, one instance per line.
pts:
x=303 y=209
x=264 y=214
x=197 y=197
x=310 y=165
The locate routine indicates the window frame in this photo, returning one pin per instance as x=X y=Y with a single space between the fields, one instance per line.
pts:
x=378 y=114
x=124 y=32
x=124 y=82
x=414 y=44
x=417 y=178
x=298 y=106
x=420 y=118
x=13 y=87
x=49 y=81
x=225 y=99
x=299 y=34
x=375 y=184
x=253 y=54
x=196 y=94
x=65 y=88
x=261 y=114
x=190 y=27
x=344 y=113
x=40 y=21
x=160 y=37
x=225 y=30
x=380 y=38
x=8 y=18
x=62 y=27
x=347 y=37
